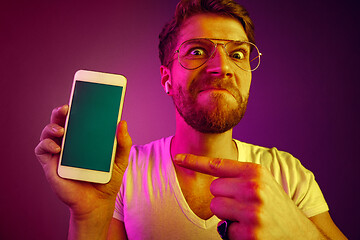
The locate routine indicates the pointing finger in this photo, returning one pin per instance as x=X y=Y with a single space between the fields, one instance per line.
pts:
x=217 y=167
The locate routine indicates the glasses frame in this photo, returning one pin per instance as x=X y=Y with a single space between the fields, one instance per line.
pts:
x=253 y=47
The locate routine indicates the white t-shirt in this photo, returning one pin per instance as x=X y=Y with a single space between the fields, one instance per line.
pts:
x=152 y=206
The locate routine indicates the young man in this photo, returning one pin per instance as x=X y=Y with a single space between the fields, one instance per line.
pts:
x=261 y=193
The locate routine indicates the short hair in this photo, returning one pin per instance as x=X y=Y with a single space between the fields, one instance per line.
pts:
x=188 y=8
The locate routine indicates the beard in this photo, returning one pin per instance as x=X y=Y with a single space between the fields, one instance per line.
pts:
x=217 y=118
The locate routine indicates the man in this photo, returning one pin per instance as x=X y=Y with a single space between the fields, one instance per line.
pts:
x=261 y=193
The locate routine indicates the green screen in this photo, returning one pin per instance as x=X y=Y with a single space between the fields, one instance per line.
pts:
x=92 y=126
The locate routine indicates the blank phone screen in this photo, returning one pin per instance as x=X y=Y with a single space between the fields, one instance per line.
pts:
x=92 y=126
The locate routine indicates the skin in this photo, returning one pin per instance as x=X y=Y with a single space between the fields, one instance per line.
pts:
x=245 y=193
x=210 y=177
x=91 y=205
x=216 y=84
x=219 y=68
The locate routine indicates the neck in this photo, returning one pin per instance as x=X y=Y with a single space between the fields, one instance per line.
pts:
x=188 y=140
x=195 y=186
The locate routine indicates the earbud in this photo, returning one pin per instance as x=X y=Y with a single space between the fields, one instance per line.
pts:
x=167 y=86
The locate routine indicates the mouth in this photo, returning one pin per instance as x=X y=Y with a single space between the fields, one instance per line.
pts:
x=215 y=89
x=214 y=86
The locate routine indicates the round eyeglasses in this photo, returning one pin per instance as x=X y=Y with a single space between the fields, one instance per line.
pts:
x=194 y=53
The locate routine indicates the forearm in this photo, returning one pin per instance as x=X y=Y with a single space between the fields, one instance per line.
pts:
x=92 y=226
x=303 y=228
x=319 y=227
x=310 y=231
x=327 y=227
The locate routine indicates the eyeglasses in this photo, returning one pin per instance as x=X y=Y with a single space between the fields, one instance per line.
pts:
x=194 y=53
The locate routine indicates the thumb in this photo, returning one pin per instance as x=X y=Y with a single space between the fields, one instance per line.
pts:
x=124 y=143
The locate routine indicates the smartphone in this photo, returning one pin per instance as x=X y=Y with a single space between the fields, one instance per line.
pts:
x=89 y=142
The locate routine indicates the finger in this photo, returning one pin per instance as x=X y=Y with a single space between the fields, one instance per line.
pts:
x=237 y=188
x=121 y=159
x=52 y=131
x=243 y=231
x=231 y=209
x=58 y=115
x=217 y=167
x=124 y=144
x=45 y=149
x=47 y=152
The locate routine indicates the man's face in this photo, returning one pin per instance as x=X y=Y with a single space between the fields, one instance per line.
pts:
x=213 y=97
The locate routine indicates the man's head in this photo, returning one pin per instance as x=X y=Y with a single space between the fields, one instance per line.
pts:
x=212 y=97
x=188 y=8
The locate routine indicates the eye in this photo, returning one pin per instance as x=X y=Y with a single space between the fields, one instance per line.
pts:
x=197 y=52
x=238 y=55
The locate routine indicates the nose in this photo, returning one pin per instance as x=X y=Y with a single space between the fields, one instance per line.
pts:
x=219 y=63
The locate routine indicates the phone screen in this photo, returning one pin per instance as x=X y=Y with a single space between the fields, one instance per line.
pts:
x=92 y=126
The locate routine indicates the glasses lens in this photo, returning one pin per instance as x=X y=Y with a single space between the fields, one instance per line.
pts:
x=195 y=52
x=244 y=54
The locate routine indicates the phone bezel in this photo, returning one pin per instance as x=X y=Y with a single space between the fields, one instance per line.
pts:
x=82 y=174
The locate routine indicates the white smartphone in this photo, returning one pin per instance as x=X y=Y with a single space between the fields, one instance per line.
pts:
x=89 y=142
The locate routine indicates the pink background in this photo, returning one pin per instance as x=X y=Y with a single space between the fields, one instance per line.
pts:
x=304 y=98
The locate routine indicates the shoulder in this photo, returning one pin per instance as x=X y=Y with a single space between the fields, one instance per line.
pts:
x=281 y=164
x=157 y=150
x=297 y=181
x=264 y=155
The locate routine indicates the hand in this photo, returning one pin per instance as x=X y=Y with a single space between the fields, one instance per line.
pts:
x=247 y=194
x=83 y=198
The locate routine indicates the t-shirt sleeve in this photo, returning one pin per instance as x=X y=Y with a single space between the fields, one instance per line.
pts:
x=119 y=205
x=313 y=202
x=119 y=201
x=299 y=183
x=307 y=194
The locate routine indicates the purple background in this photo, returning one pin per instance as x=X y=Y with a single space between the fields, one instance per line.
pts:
x=304 y=97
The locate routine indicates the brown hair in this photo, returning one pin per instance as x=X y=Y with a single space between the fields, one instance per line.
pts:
x=188 y=8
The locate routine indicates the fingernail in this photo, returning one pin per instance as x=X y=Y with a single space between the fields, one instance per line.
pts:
x=125 y=126
x=124 y=129
x=56 y=129
x=179 y=158
x=63 y=106
x=55 y=147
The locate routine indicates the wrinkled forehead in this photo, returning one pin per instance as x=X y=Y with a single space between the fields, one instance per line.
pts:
x=211 y=26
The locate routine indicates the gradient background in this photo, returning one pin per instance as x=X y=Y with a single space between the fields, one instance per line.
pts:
x=304 y=98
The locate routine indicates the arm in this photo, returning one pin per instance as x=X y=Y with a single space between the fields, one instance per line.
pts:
x=117 y=230
x=327 y=227
x=248 y=195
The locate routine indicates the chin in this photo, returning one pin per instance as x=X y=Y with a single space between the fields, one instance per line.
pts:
x=216 y=120
x=210 y=111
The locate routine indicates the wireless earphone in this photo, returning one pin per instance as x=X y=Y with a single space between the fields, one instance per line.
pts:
x=167 y=85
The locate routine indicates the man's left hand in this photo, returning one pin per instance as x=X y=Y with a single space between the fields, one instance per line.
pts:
x=248 y=195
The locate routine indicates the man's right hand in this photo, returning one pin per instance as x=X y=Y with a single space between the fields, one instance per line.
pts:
x=88 y=202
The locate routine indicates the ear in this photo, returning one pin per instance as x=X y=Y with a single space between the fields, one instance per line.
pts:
x=165 y=76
